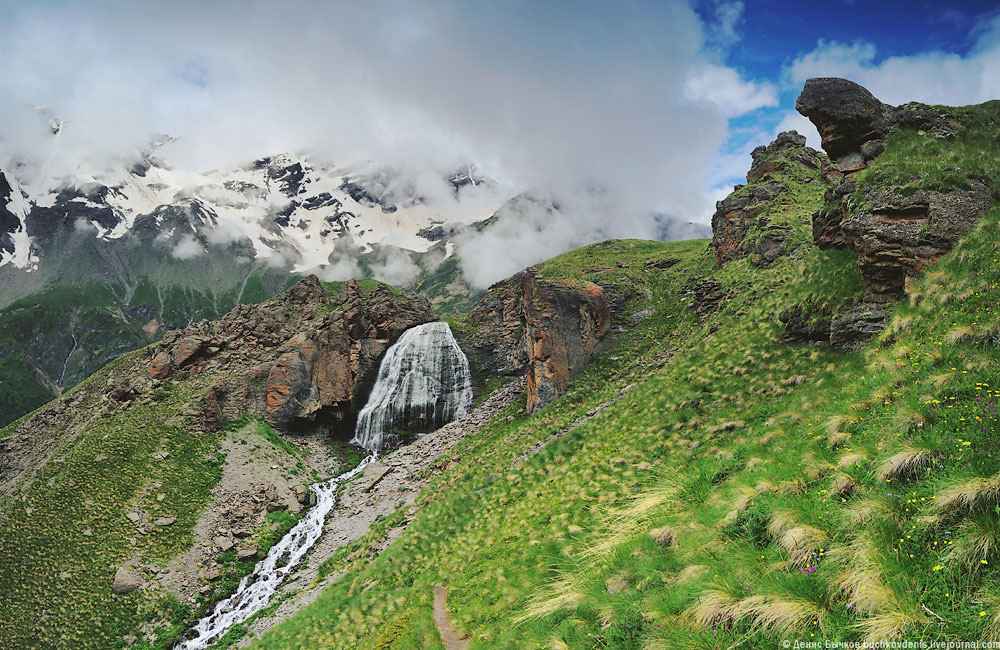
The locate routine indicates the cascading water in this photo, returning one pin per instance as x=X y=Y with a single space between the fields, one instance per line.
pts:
x=257 y=588
x=423 y=383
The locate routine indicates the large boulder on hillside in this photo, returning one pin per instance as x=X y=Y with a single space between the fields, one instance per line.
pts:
x=126 y=581
x=846 y=115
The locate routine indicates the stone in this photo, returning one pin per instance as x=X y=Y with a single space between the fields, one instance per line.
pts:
x=224 y=543
x=212 y=574
x=164 y=521
x=542 y=329
x=845 y=114
x=134 y=517
x=302 y=494
x=247 y=553
x=853 y=328
x=126 y=581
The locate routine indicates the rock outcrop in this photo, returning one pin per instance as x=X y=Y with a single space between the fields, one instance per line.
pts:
x=545 y=330
x=850 y=121
x=741 y=212
x=894 y=232
x=302 y=360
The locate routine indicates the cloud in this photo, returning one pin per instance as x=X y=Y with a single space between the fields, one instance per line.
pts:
x=933 y=77
x=187 y=248
x=629 y=97
x=397 y=268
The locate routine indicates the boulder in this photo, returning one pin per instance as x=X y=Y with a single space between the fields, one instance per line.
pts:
x=846 y=115
x=247 y=553
x=164 y=521
x=126 y=581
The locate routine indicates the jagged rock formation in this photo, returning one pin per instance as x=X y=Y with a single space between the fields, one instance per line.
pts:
x=740 y=212
x=541 y=328
x=894 y=232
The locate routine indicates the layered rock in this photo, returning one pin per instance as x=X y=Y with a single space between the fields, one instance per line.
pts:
x=741 y=212
x=544 y=329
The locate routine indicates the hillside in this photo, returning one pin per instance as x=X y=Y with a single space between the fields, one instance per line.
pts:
x=787 y=433
x=711 y=480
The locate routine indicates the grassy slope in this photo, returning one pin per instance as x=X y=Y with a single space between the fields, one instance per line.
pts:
x=744 y=491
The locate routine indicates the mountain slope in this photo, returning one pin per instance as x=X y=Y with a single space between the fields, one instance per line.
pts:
x=712 y=480
x=788 y=434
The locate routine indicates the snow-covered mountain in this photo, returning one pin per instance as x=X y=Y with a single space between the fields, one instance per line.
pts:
x=294 y=212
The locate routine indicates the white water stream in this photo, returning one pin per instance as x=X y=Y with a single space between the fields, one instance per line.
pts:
x=256 y=589
x=423 y=381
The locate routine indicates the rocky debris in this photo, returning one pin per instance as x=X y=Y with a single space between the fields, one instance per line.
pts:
x=302 y=494
x=247 y=553
x=544 y=329
x=846 y=115
x=741 y=212
x=706 y=296
x=126 y=581
x=411 y=467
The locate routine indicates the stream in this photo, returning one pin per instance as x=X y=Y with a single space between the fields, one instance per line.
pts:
x=423 y=383
x=256 y=589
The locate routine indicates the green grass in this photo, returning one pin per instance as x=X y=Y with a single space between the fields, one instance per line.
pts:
x=916 y=160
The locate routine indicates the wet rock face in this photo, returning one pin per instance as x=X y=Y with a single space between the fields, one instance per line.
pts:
x=846 y=115
x=544 y=330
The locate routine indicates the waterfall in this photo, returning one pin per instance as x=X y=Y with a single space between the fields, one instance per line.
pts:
x=422 y=384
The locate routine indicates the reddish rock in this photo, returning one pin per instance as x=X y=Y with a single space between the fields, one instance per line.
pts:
x=544 y=329
x=160 y=367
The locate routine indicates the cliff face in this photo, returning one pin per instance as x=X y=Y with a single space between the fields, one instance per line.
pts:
x=546 y=330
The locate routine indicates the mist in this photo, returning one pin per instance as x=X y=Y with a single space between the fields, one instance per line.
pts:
x=615 y=111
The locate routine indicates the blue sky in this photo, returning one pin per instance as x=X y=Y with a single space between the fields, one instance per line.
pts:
x=938 y=52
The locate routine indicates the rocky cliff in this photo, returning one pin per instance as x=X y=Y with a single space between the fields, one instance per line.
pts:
x=896 y=229
x=747 y=209
x=545 y=330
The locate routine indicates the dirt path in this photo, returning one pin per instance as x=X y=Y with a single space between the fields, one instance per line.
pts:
x=442 y=619
x=393 y=481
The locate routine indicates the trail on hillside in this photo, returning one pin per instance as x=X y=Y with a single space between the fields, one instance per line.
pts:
x=442 y=619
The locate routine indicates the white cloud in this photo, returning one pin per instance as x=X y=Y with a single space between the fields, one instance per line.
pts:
x=187 y=248
x=933 y=77
x=723 y=90
x=629 y=97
